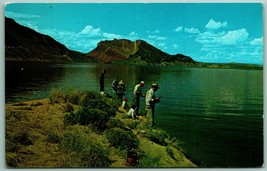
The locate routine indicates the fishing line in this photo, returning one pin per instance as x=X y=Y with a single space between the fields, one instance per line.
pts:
x=175 y=87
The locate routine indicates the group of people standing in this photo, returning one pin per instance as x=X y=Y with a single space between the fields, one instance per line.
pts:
x=150 y=98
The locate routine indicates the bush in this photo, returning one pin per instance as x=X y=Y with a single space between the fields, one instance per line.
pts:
x=115 y=123
x=23 y=138
x=70 y=118
x=86 y=116
x=73 y=97
x=68 y=108
x=170 y=152
x=158 y=136
x=84 y=151
x=87 y=98
x=56 y=96
x=94 y=100
x=53 y=137
x=95 y=156
x=148 y=162
x=122 y=139
x=73 y=141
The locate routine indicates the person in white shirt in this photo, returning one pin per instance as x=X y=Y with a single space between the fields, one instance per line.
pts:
x=137 y=94
x=151 y=101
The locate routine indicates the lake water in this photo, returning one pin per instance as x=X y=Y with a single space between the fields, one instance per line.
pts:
x=217 y=113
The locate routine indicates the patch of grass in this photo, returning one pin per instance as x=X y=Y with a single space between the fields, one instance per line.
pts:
x=23 y=138
x=53 y=137
x=158 y=136
x=24 y=108
x=68 y=108
x=85 y=151
x=115 y=123
x=170 y=152
x=86 y=116
x=147 y=161
x=56 y=96
x=122 y=139
x=73 y=97
x=36 y=104
x=19 y=104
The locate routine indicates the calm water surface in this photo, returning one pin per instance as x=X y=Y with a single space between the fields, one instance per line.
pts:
x=217 y=113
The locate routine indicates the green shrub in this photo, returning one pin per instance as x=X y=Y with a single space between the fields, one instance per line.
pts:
x=53 y=137
x=97 y=118
x=73 y=141
x=115 y=123
x=170 y=152
x=70 y=118
x=83 y=151
x=73 y=97
x=148 y=162
x=56 y=96
x=95 y=155
x=158 y=136
x=68 y=108
x=86 y=116
x=122 y=139
x=94 y=100
x=10 y=142
x=87 y=98
x=23 y=138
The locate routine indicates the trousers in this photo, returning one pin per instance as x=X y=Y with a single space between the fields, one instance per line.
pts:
x=150 y=114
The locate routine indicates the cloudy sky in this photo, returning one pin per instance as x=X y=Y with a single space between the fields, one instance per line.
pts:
x=208 y=32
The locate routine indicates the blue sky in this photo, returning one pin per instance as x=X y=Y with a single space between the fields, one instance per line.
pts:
x=208 y=32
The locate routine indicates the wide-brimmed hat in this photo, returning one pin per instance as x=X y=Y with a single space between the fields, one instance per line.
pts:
x=142 y=82
x=155 y=85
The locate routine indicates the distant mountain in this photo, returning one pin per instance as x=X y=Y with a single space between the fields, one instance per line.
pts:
x=25 y=44
x=123 y=49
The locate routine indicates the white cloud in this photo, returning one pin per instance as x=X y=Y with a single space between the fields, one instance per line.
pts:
x=133 y=34
x=161 y=44
x=112 y=36
x=153 y=32
x=231 y=46
x=20 y=15
x=178 y=29
x=235 y=37
x=156 y=37
x=191 y=30
x=256 y=42
x=213 y=25
x=232 y=38
x=83 y=41
x=175 y=46
x=157 y=31
x=90 y=31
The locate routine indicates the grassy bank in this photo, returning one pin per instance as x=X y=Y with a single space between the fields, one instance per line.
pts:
x=84 y=129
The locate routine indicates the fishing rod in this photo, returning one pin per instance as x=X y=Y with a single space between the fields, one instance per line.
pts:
x=175 y=87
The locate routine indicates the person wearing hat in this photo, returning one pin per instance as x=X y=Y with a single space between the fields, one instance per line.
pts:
x=137 y=94
x=114 y=85
x=151 y=101
x=121 y=90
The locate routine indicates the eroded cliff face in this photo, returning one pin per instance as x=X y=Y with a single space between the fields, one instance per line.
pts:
x=122 y=49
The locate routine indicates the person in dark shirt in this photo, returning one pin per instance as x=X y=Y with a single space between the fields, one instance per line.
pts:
x=101 y=81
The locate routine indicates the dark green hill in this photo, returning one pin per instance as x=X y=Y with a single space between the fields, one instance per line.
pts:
x=25 y=44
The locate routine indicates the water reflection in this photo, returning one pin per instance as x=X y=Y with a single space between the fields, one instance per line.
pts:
x=28 y=81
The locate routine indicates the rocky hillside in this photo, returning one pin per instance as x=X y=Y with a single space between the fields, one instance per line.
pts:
x=123 y=49
x=25 y=44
